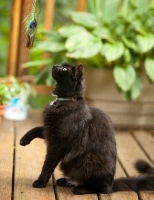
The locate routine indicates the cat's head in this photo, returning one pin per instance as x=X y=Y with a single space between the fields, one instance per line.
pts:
x=70 y=80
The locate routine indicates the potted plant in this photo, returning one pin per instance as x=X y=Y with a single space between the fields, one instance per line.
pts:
x=13 y=97
x=115 y=39
x=122 y=42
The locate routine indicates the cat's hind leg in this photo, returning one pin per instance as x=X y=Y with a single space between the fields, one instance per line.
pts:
x=81 y=189
x=91 y=189
x=36 y=132
x=66 y=182
x=95 y=185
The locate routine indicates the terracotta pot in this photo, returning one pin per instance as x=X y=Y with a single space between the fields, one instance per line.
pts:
x=1 y=111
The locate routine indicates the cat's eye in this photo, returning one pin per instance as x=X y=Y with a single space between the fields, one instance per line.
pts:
x=64 y=69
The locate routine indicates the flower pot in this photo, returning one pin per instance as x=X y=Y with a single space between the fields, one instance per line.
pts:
x=1 y=111
x=101 y=92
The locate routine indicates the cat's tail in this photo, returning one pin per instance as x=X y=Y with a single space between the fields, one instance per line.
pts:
x=142 y=182
x=144 y=167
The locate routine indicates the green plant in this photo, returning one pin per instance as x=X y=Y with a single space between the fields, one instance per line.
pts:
x=4 y=34
x=10 y=87
x=116 y=35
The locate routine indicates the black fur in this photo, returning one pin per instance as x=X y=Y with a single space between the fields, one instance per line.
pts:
x=144 y=167
x=82 y=139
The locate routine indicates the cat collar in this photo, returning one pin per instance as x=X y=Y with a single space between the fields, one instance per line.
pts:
x=61 y=99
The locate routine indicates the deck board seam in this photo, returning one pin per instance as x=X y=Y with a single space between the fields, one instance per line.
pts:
x=13 y=164
x=141 y=147
x=122 y=167
x=54 y=187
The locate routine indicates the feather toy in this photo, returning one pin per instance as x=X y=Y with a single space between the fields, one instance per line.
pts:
x=30 y=22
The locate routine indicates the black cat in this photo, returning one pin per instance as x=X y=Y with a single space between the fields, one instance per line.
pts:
x=81 y=138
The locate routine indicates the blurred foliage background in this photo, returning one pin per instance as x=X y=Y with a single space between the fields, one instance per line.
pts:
x=113 y=34
x=117 y=35
x=61 y=16
x=5 y=7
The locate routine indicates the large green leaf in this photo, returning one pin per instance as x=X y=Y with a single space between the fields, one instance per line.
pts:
x=53 y=43
x=109 y=9
x=50 y=45
x=112 y=51
x=124 y=77
x=145 y=42
x=130 y=44
x=67 y=31
x=141 y=5
x=136 y=88
x=102 y=32
x=85 y=19
x=149 y=67
x=83 y=45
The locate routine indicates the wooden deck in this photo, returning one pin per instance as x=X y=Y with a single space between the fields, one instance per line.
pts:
x=20 y=166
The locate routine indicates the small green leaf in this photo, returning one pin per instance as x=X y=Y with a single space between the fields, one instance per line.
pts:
x=136 y=88
x=130 y=44
x=84 y=18
x=134 y=92
x=112 y=51
x=109 y=9
x=149 y=67
x=67 y=31
x=124 y=77
x=54 y=43
x=102 y=32
x=146 y=42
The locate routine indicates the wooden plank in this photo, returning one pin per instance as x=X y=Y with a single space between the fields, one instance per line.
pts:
x=128 y=151
x=6 y=159
x=127 y=108
x=28 y=164
x=65 y=193
x=119 y=171
x=119 y=195
x=146 y=141
x=127 y=115
x=147 y=195
x=126 y=121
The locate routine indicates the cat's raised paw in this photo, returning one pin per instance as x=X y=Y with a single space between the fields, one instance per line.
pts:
x=39 y=184
x=24 y=141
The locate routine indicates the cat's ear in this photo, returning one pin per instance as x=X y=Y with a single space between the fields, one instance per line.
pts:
x=79 y=72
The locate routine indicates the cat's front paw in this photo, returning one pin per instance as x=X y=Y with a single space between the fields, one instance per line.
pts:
x=25 y=140
x=39 y=184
